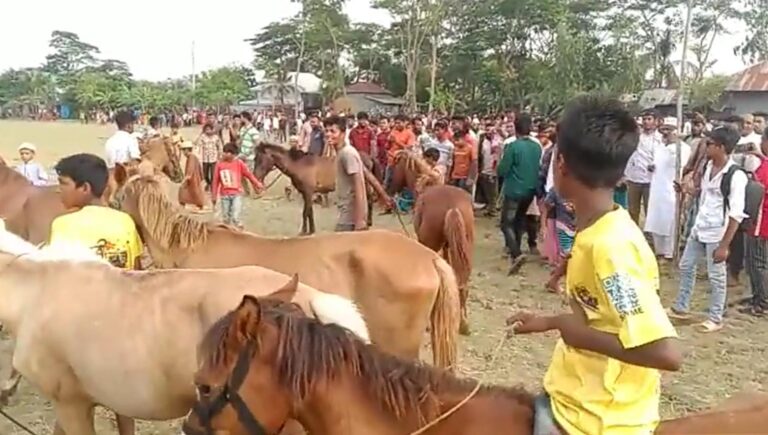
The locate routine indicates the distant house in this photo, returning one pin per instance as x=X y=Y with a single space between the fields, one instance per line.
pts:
x=270 y=94
x=748 y=90
x=664 y=101
x=368 y=97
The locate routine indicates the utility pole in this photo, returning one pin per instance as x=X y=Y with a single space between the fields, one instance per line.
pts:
x=194 y=74
x=680 y=126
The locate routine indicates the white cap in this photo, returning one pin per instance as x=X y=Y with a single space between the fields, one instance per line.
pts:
x=186 y=145
x=27 y=146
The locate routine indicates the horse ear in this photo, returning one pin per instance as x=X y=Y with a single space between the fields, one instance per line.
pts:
x=246 y=320
x=121 y=174
x=287 y=293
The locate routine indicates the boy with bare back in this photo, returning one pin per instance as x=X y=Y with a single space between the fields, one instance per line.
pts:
x=604 y=375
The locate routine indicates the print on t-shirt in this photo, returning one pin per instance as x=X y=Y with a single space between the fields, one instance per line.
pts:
x=228 y=179
x=111 y=252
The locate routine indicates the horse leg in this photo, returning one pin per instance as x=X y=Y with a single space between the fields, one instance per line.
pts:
x=125 y=425
x=369 y=221
x=305 y=212
x=10 y=387
x=74 y=418
x=311 y=218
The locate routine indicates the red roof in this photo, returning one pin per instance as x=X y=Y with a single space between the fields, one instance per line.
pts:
x=367 y=88
x=752 y=79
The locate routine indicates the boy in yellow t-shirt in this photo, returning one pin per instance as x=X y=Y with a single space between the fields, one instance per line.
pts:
x=110 y=233
x=604 y=375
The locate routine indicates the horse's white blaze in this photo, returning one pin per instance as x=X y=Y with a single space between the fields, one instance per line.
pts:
x=12 y=244
x=331 y=308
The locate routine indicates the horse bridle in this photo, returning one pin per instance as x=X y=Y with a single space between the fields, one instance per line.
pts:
x=229 y=395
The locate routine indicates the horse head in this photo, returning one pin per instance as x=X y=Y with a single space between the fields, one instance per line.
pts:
x=268 y=157
x=160 y=151
x=238 y=351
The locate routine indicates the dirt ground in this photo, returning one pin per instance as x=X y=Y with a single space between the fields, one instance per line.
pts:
x=716 y=366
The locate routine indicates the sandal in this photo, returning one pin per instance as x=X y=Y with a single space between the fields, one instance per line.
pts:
x=678 y=315
x=754 y=310
x=709 y=326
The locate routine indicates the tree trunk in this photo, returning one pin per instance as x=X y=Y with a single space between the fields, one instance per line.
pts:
x=433 y=75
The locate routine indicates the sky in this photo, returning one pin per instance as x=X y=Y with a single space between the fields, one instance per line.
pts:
x=155 y=36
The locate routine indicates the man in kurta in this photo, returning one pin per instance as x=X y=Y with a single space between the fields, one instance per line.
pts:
x=191 y=191
x=661 y=219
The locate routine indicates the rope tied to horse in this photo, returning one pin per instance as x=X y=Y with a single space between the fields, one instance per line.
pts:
x=471 y=394
x=17 y=423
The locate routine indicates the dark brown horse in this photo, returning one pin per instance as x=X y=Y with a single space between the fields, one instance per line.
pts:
x=265 y=363
x=443 y=218
x=309 y=174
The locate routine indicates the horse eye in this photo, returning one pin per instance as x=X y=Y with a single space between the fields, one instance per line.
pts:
x=204 y=390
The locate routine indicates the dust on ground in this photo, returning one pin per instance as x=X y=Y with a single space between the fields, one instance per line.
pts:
x=716 y=366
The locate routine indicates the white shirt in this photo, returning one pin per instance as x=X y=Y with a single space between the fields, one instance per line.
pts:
x=121 y=148
x=637 y=167
x=711 y=222
x=34 y=172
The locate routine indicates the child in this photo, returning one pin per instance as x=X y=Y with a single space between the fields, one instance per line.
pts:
x=431 y=172
x=110 y=233
x=228 y=184
x=191 y=191
x=604 y=376
x=714 y=227
x=31 y=170
x=464 y=170
x=564 y=231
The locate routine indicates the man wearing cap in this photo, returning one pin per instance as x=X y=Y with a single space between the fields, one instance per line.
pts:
x=31 y=170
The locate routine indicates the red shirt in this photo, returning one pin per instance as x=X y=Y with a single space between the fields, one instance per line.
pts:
x=228 y=178
x=361 y=138
x=382 y=146
x=761 y=223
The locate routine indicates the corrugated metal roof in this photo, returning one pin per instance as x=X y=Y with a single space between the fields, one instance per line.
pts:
x=657 y=97
x=752 y=79
x=387 y=100
x=367 y=88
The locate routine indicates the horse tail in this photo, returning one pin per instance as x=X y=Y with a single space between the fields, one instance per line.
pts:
x=459 y=250
x=445 y=318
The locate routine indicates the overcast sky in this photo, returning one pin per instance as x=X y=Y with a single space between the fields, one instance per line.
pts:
x=155 y=36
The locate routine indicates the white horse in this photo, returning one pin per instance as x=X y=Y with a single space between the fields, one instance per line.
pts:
x=91 y=334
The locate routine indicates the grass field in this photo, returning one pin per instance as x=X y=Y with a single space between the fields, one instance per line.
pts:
x=716 y=366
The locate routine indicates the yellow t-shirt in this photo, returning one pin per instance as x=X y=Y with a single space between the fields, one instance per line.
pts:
x=613 y=275
x=110 y=233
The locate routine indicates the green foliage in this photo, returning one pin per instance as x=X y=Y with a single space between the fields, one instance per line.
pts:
x=707 y=93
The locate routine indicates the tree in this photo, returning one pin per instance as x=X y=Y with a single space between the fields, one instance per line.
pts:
x=755 y=45
x=415 y=21
x=70 y=55
x=222 y=87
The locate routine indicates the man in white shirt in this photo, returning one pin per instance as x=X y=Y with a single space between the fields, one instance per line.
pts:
x=640 y=166
x=122 y=147
x=714 y=227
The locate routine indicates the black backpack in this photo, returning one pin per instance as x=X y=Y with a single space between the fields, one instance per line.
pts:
x=753 y=196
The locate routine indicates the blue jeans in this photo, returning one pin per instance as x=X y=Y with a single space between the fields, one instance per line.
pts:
x=694 y=251
x=231 y=207
x=544 y=419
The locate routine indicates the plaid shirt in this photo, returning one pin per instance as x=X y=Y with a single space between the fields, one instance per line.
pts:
x=210 y=148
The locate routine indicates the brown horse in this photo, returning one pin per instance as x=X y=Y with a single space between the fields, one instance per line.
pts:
x=310 y=174
x=443 y=218
x=28 y=210
x=265 y=363
x=399 y=285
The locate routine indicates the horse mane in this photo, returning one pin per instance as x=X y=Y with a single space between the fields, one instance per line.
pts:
x=167 y=226
x=294 y=154
x=310 y=353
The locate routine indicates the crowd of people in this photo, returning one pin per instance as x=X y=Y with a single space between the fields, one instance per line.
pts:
x=556 y=183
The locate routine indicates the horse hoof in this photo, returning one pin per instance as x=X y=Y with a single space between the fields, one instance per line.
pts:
x=464 y=329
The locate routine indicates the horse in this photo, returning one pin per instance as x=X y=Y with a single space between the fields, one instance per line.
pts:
x=309 y=175
x=139 y=327
x=29 y=210
x=399 y=285
x=443 y=220
x=263 y=364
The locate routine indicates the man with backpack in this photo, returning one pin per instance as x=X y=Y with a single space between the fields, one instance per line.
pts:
x=756 y=242
x=721 y=211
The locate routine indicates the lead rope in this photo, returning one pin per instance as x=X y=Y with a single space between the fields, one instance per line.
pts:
x=17 y=423
x=472 y=393
x=396 y=210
